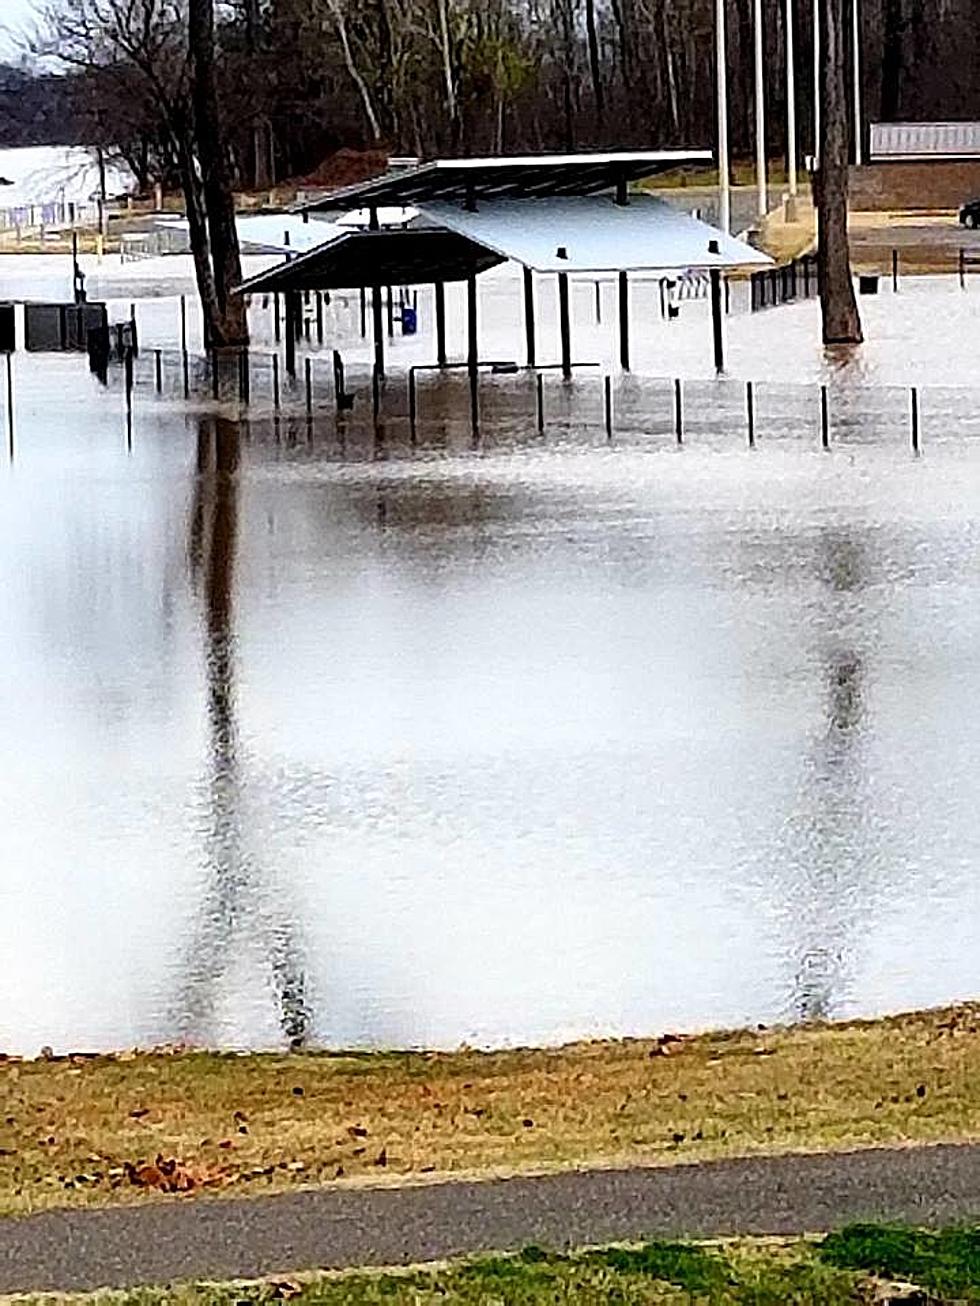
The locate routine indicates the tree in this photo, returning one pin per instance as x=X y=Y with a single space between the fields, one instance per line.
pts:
x=838 y=305
x=224 y=311
x=150 y=68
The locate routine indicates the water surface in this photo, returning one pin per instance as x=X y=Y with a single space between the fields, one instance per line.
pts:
x=518 y=742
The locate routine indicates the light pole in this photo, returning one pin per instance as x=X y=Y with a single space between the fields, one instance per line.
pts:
x=724 y=181
x=816 y=81
x=791 y=161
x=760 y=115
x=858 y=125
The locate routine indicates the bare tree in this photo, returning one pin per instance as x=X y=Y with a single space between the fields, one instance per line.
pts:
x=841 y=320
x=154 y=60
x=225 y=312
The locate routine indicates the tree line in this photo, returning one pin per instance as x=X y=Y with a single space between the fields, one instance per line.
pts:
x=298 y=79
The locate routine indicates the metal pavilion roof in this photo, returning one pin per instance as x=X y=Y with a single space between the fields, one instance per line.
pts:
x=394 y=257
x=517 y=177
x=594 y=234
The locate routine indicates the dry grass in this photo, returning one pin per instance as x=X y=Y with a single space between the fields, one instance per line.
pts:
x=70 y=1127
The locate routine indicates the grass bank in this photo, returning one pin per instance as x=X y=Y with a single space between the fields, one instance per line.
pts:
x=99 y=1130
x=861 y=1264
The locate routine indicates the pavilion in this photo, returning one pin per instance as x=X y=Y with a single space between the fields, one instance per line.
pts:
x=555 y=215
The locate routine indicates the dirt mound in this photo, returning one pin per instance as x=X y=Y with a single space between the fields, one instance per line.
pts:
x=345 y=167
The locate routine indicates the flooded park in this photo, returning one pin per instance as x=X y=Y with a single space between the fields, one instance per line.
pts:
x=330 y=731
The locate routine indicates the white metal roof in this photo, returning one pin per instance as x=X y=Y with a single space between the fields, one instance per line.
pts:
x=588 y=160
x=925 y=140
x=593 y=234
x=522 y=176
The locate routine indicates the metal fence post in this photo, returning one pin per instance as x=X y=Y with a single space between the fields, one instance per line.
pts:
x=824 y=418
x=915 y=418
x=750 y=411
x=608 y=408
x=679 y=410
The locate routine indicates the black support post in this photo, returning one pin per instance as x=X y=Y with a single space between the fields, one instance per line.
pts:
x=624 y=321
x=473 y=351
x=717 y=320
x=377 y=313
x=290 y=315
x=441 y=323
x=565 y=326
x=529 y=332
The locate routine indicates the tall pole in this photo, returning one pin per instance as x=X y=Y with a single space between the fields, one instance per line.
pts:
x=721 y=57
x=816 y=81
x=760 y=115
x=791 y=160
x=858 y=125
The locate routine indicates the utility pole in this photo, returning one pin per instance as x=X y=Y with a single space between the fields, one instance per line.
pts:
x=760 y=116
x=724 y=180
x=816 y=83
x=858 y=124
x=791 y=160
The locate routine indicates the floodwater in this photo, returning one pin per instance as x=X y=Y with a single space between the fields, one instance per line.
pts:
x=514 y=741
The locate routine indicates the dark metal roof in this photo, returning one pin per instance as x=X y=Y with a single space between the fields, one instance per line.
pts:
x=394 y=257
x=525 y=177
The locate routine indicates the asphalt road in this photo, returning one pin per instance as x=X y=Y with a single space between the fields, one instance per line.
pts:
x=246 y=1238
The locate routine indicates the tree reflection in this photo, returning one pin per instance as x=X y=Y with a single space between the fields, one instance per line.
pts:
x=828 y=835
x=233 y=877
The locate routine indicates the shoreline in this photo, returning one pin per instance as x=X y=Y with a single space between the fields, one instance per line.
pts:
x=109 y=1129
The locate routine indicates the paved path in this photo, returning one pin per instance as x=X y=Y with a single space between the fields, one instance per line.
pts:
x=245 y=1238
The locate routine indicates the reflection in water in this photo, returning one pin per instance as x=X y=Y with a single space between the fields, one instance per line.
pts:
x=234 y=876
x=834 y=803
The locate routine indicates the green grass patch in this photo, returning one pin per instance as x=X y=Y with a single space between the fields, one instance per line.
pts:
x=650 y=1274
x=946 y=1263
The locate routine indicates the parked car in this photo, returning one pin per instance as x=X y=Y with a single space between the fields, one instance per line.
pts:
x=970 y=214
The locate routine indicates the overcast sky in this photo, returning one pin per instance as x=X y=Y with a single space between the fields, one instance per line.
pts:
x=14 y=14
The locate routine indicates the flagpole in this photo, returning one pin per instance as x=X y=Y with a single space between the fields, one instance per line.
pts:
x=721 y=58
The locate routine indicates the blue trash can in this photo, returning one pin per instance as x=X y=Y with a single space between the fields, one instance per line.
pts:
x=410 y=321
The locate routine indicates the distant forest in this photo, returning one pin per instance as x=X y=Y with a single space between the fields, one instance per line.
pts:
x=303 y=78
x=36 y=110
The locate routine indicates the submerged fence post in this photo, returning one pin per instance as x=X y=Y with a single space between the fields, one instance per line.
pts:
x=308 y=380
x=679 y=410
x=962 y=269
x=895 y=270
x=183 y=323
x=244 y=377
x=824 y=418
x=158 y=369
x=215 y=376
x=914 y=397
x=275 y=382
x=607 y=396
x=10 y=404
x=412 y=403
x=750 y=411
x=539 y=390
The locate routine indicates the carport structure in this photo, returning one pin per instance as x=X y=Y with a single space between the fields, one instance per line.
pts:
x=559 y=215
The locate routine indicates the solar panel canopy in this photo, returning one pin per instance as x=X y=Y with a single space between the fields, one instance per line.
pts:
x=594 y=234
x=415 y=256
x=508 y=177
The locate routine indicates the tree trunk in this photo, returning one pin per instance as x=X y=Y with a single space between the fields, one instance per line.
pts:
x=595 y=65
x=226 y=316
x=892 y=59
x=841 y=321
